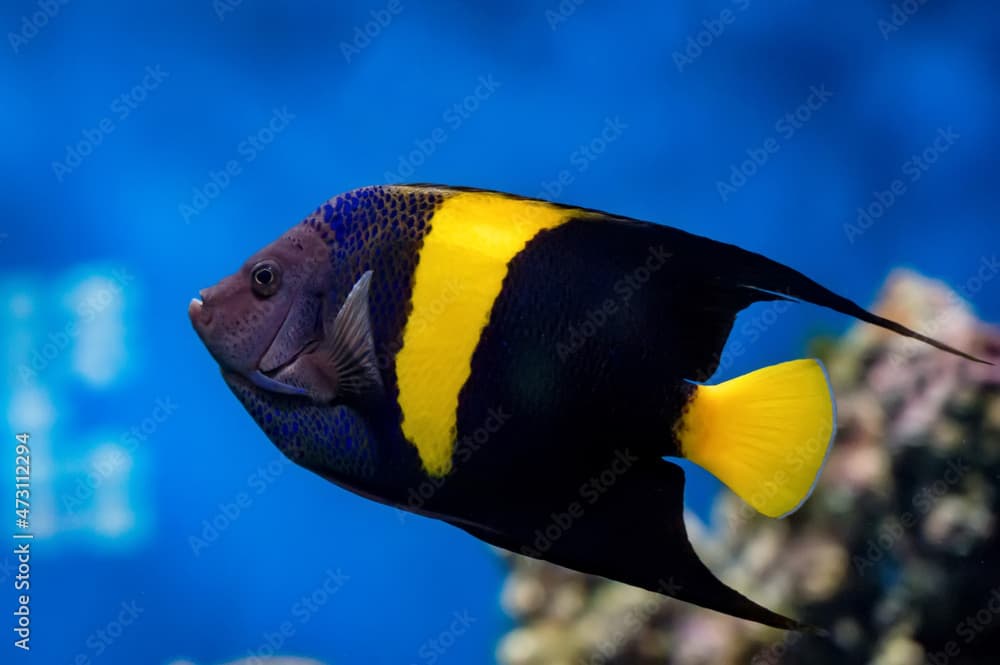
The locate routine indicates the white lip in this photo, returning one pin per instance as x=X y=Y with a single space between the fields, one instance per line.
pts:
x=199 y=316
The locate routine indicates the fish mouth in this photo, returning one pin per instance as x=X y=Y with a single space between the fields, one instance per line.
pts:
x=201 y=317
x=198 y=314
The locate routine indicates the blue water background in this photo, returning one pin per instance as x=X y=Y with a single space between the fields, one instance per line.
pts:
x=641 y=109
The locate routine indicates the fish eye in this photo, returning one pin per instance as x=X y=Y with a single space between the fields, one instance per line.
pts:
x=265 y=278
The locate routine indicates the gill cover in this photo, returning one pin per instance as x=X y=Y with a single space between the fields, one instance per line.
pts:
x=343 y=362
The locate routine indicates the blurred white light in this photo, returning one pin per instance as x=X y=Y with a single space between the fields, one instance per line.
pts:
x=99 y=353
x=113 y=518
x=30 y=410
x=109 y=461
x=110 y=465
x=81 y=331
x=43 y=516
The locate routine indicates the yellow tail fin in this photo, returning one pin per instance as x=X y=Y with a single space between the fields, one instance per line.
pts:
x=765 y=434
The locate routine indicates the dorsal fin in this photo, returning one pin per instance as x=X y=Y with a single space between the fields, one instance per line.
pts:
x=737 y=268
x=766 y=279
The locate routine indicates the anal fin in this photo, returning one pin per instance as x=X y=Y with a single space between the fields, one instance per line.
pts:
x=634 y=533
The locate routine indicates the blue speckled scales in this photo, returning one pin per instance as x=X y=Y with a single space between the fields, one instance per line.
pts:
x=378 y=229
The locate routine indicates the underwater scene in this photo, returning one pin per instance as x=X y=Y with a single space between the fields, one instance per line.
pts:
x=558 y=332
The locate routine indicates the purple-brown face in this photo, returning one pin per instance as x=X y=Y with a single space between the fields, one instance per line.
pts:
x=260 y=319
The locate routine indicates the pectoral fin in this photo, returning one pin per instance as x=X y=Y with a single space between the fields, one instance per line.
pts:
x=350 y=347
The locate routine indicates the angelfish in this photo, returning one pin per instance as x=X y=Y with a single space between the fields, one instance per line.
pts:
x=520 y=369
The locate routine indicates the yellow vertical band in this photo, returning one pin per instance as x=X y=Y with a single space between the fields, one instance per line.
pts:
x=459 y=274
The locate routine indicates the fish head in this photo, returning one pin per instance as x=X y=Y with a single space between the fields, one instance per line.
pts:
x=266 y=326
x=258 y=320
